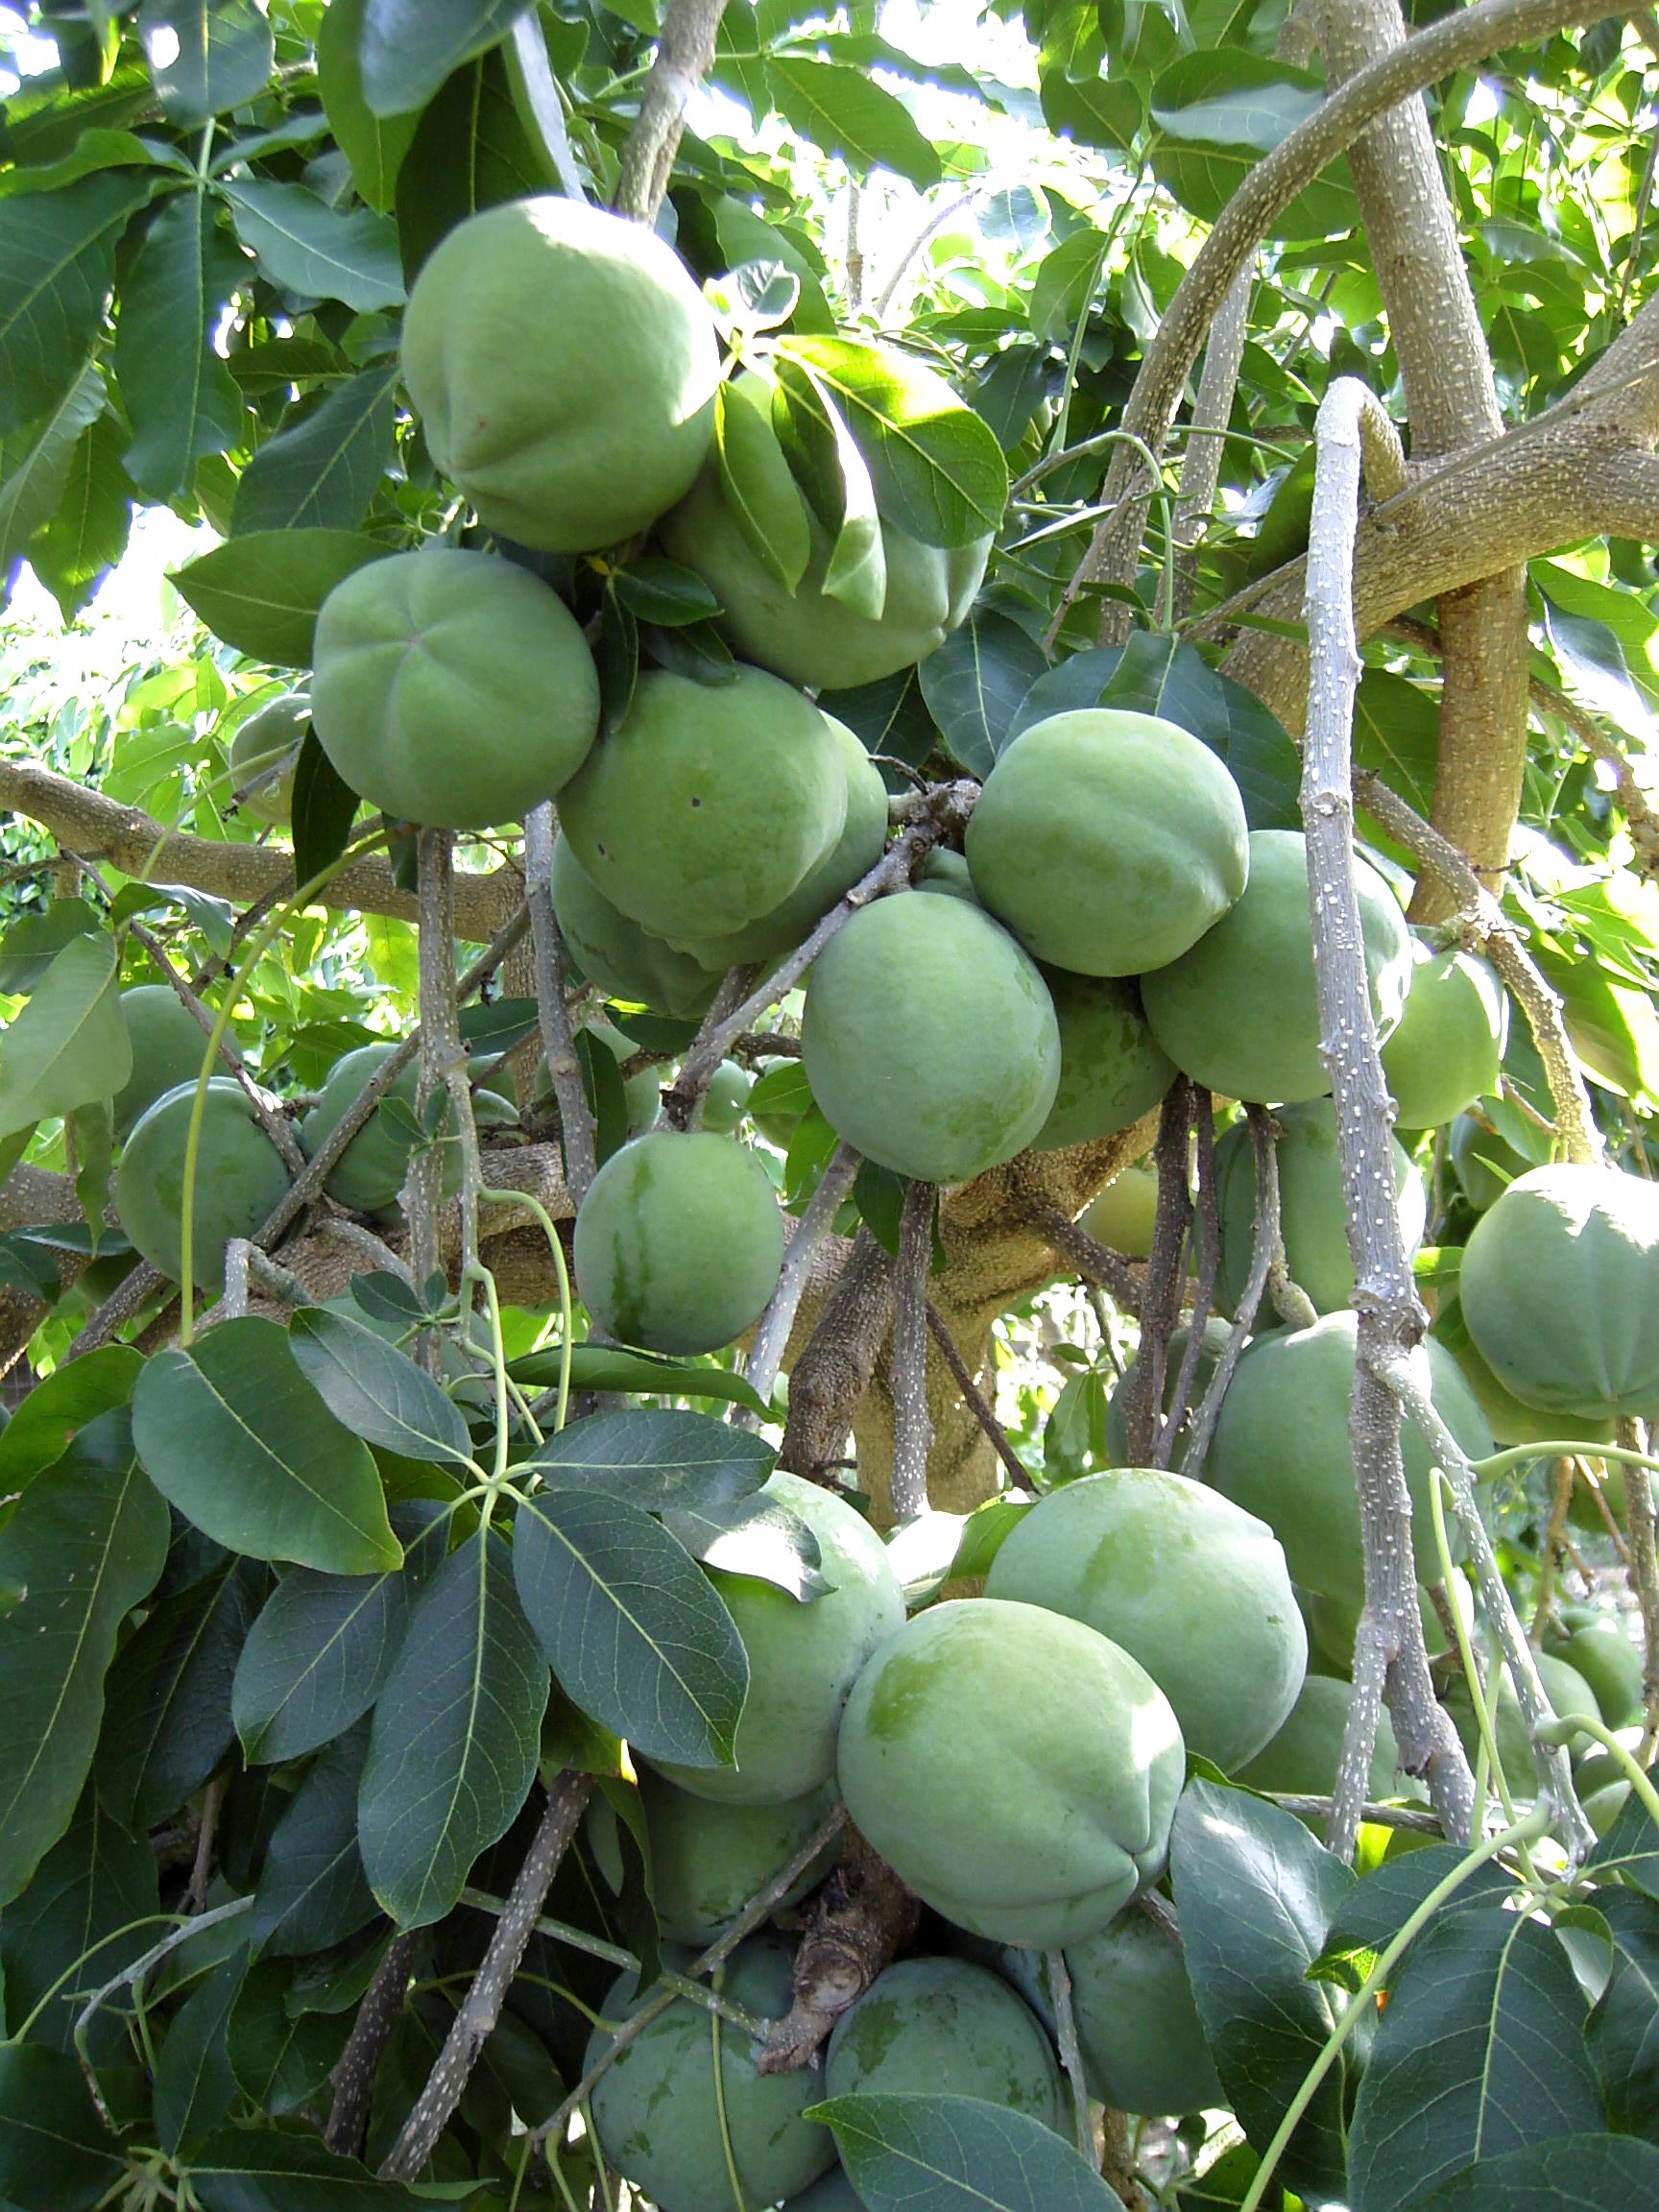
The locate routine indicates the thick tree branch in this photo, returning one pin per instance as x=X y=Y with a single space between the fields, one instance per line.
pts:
x=860 y=1919
x=353 y=2079
x=912 y=1429
x=685 y=49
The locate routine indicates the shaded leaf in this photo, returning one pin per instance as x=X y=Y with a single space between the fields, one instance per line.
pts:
x=1574 y=2173
x=453 y=1750
x=262 y=592
x=93 y=1905
x=36 y=461
x=181 y=401
x=56 y=265
x=69 y=1045
x=655 y=590
x=1074 y=682
x=832 y=471
x=408 y=47
x=168 y=1724
x=60 y=1405
x=194 y=2084
x=87 y=534
x=33 y=941
x=308 y=248
x=313 y=1893
x=281 y=2059
x=322 y=811
x=1374 y=1913
x=287 y=2169
x=1624 y=2032
x=206 y=56
x=655 y=1457
x=85 y=1544
x=1631 y=1845
x=376 y=1390
x=754 y=1537
x=375 y=145
x=470 y=151
x=608 y=1367
x=56 y=2155
x=1218 y=114
x=1397 y=735
x=636 y=1634
x=915 y=2154
x=975 y=683
x=232 y=1433
x=324 y=471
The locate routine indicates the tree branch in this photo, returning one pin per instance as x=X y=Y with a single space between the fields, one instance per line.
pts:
x=684 y=50
x=771 y=1330
x=558 y=1045
x=912 y=1429
x=353 y=2079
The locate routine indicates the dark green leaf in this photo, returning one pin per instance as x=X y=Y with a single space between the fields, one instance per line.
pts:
x=1574 y=2173
x=281 y=2059
x=470 y=151
x=1160 y=675
x=635 y=1632
x=1066 y=283
x=1623 y=2033
x=1257 y=1895
x=655 y=1457
x=607 y=1367
x=286 y=2169
x=262 y=592
x=87 y=533
x=1596 y=672
x=312 y=250
x=168 y=1724
x=206 y=56
x=1374 y=1913
x=313 y=1893
x=974 y=685
x=56 y=2155
x=36 y=461
x=237 y=1437
x=760 y=489
x=376 y=1390
x=847 y=113
x=889 y=718
x=915 y=2153
x=1480 y=2050
x=181 y=400
x=56 y=265
x=33 y=941
x=754 y=1537
x=69 y=1045
x=324 y=471
x=1218 y=114
x=194 y=2084
x=453 y=1751
x=1075 y=682
x=85 y=1544
x=1395 y=732
x=1631 y=1844
x=660 y=591
x=62 y=1404
x=938 y=469
x=1263 y=762
x=409 y=47
x=322 y=810
x=693 y=649
x=93 y=1905
x=321 y=1649
x=375 y=145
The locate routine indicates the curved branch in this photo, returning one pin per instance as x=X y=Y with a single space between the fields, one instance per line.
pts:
x=684 y=50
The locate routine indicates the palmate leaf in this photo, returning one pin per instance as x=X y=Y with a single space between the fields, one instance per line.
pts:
x=62 y=1404
x=848 y=114
x=1624 y=2032
x=56 y=265
x=206 y=56
x=636 y=1634
x=87 y=533
x=181 y=401
x=906 y=2153
x=84 y=1545
x=453 y=1750
x=194 y=2085
x=832 y=471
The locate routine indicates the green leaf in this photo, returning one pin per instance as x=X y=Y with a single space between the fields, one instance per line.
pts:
x=938 y=469
x=832 y=471
x=181 y=401
x=85 y=1544
x=1632 y=1845
x=36 y=461
x=607 y=1367
x=754 y=1537
x=323 y=1647
x=56 y=2155
x=974 y=685
x=659 y=590
x=94 y=1899
x=1160 y=675
x=1261 y=758
x=1623 y=2037
x=1255 y=1896
x=1574 y=2173
x=904 y=2152
x=376 y=1390
x=760 y=491
x=233 y=1435
x=470 y=151
x=206 y=56
x=60 y=1405
x=1595 y=672
x=281 y=2059
x=1480 y=2050
x=287 y=2169
x=33 y=941
x=887 y=717
x=635 y=1632
x=373 y=145
x=194 y=2086
x=1396 y=734
x=1374 y=1913
x=88 y=535
x=260 y=594
x=324 y=471
x=408 y=47
x=1219 y=113
x=847 y=113
x=313 y=1893
x=1065 y=285
x=168 y=1724
x=56 y=265
x=93 y=150
x=322 y=810
x=69 y=1045
x=308 y=248
x=453 y=1750
x=1614 y=1028
x=655 y=1457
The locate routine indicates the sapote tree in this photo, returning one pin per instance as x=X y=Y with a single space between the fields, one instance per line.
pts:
x=615 y=442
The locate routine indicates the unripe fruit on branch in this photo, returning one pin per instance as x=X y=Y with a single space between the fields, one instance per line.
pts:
x=707 y=1859
x=1111 y=1068
x=240 y=1178
x=263 y=755
x=1447 y=1049
x=945 y=2027
x=563 y=365
x=624 y=960
x=169 y=1045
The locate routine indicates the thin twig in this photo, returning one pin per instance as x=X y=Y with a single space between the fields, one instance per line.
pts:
x=558 y=1045
x=685 y=49
x=1143 y=1392
x=1265 y=1146
x=1208 y=1223
x=1072 y=2055
x=354 y=2078
x=771 y=1338
x=974 y=1399
x=275 y=1125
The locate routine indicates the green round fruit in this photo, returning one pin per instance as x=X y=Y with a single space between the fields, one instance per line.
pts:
x=665 y=2126
x=832 y=2193
x=1333 y=1625
x=1612 y=1666
x=263 y=755
x=1108 y=842
x=625 y=961
x=1511 y=1422
x=1143 y=2048
x=805 y=634
x=707 y=1860
x=368 y=1174
x=1567 y=1693
x=1280 y=1451
x=1015 y=1769
x=452 y=689
x=1447 y=1049
x=169 y=1045
x=1302 y=1758
x=802 y=1658
x=679 y=1243
x=240 y=1179
x=727 y=1096
x=1238 y=1012
x=1183 y=1581
x=1311 y=1214
x=708 y=805
x=945 y=2027
x=929 y=1039
x=1217 y=1333
x=1560 y=1291
x=854 y=853
x=1125 y=1214
x=1487 y=1163
x=563 y=365
x=1112 y=1068
x=946 y=872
